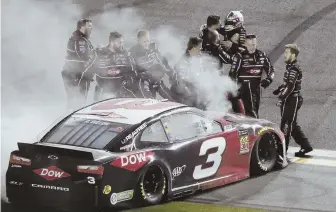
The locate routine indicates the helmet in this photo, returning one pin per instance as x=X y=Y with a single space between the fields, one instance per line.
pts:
x=234 y=20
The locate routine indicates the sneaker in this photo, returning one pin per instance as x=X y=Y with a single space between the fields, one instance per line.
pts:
x=303 y=151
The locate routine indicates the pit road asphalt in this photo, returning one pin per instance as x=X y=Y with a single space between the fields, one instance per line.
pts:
x=305 y=185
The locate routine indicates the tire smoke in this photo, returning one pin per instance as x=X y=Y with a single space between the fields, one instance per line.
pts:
x=34 y=39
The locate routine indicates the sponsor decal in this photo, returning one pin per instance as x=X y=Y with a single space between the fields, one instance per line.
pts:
x=133 y=162
x=107 y=189
x=254 y=71
x=52 y=157
x=50 y=187
x=16 y=166
x=121 y=197
x=244 y=144
x=178 y=171
x=128 y=147
x=16 y=183
x=228 y=128
x=134 y=133
x=262 y=130
x=242 y=132
x=51 y=173
x=89 y=121
x=107 y=115
x=113 y=71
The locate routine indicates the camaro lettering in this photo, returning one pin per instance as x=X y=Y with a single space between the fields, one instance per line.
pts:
x=133 y=159
x=50 y=187
x=134 y=133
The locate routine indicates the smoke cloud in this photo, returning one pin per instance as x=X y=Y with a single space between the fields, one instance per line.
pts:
x=34 y=39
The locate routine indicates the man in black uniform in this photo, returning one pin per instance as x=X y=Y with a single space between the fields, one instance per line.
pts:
x=151 y=67
x=211 y=41
x=233 y=31
x=291 y=101
x=80 y=57
x=183 y=85
x=247 y=69
x=115 y=73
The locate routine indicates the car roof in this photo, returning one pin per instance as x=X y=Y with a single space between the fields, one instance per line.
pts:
x=126 y=110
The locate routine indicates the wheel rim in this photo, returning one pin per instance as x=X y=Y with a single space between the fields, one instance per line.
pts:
x=153 y=182
x=266 y=150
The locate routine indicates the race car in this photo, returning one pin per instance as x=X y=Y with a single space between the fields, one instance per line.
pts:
x=129 y=152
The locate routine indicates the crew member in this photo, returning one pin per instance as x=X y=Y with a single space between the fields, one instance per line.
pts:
x=183 y=86
x=291 y=101
x=151 y=67
x=247 y=69
x=115 y=73
x=211 y=41
x=77 y=73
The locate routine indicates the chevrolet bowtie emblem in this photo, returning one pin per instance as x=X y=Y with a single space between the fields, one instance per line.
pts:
x=52 y=157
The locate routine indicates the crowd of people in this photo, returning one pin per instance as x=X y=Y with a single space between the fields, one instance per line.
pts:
x=139 y=71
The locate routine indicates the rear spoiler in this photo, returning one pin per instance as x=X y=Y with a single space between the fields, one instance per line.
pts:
x=40 y=149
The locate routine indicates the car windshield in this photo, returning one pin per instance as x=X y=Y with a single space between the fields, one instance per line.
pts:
x=83 y=132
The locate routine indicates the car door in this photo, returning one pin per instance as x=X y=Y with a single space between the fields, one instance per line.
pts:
x=199 y=147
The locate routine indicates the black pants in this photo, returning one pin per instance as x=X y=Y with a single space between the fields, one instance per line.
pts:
x=108 y=88
x=289 y=125
x=250 y=94
x=76 y=88
x=236 y=104
x=149 y=88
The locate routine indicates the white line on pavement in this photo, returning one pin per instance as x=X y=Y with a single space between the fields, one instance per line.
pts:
x=315 y=152
x=313 y=161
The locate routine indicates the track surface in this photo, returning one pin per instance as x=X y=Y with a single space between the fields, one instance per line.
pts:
x=309 y=23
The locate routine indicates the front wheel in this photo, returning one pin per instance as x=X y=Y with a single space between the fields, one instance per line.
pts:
x=264 y=155
x=152 y=186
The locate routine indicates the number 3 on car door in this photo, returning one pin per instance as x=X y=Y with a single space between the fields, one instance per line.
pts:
x=215 y=158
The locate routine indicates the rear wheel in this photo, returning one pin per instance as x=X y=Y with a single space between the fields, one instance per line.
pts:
x=152 y=186
x=264 y=155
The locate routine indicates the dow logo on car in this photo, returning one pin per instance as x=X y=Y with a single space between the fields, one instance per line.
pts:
x=51 y=173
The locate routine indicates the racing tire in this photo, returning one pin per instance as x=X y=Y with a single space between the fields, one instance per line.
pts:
x=264 y=155
x=152 y=187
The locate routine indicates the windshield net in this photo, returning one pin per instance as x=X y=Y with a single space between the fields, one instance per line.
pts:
x=84 y=132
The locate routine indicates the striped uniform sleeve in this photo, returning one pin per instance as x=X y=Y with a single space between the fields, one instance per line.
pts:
x=293 y=75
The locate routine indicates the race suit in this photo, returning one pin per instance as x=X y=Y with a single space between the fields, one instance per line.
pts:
x=210 y=46
x=77 y=73
x=291 y=101
x=183 y=86
x=151 y=68
x=115 y=74
x=247 y=70
x=228 y=35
